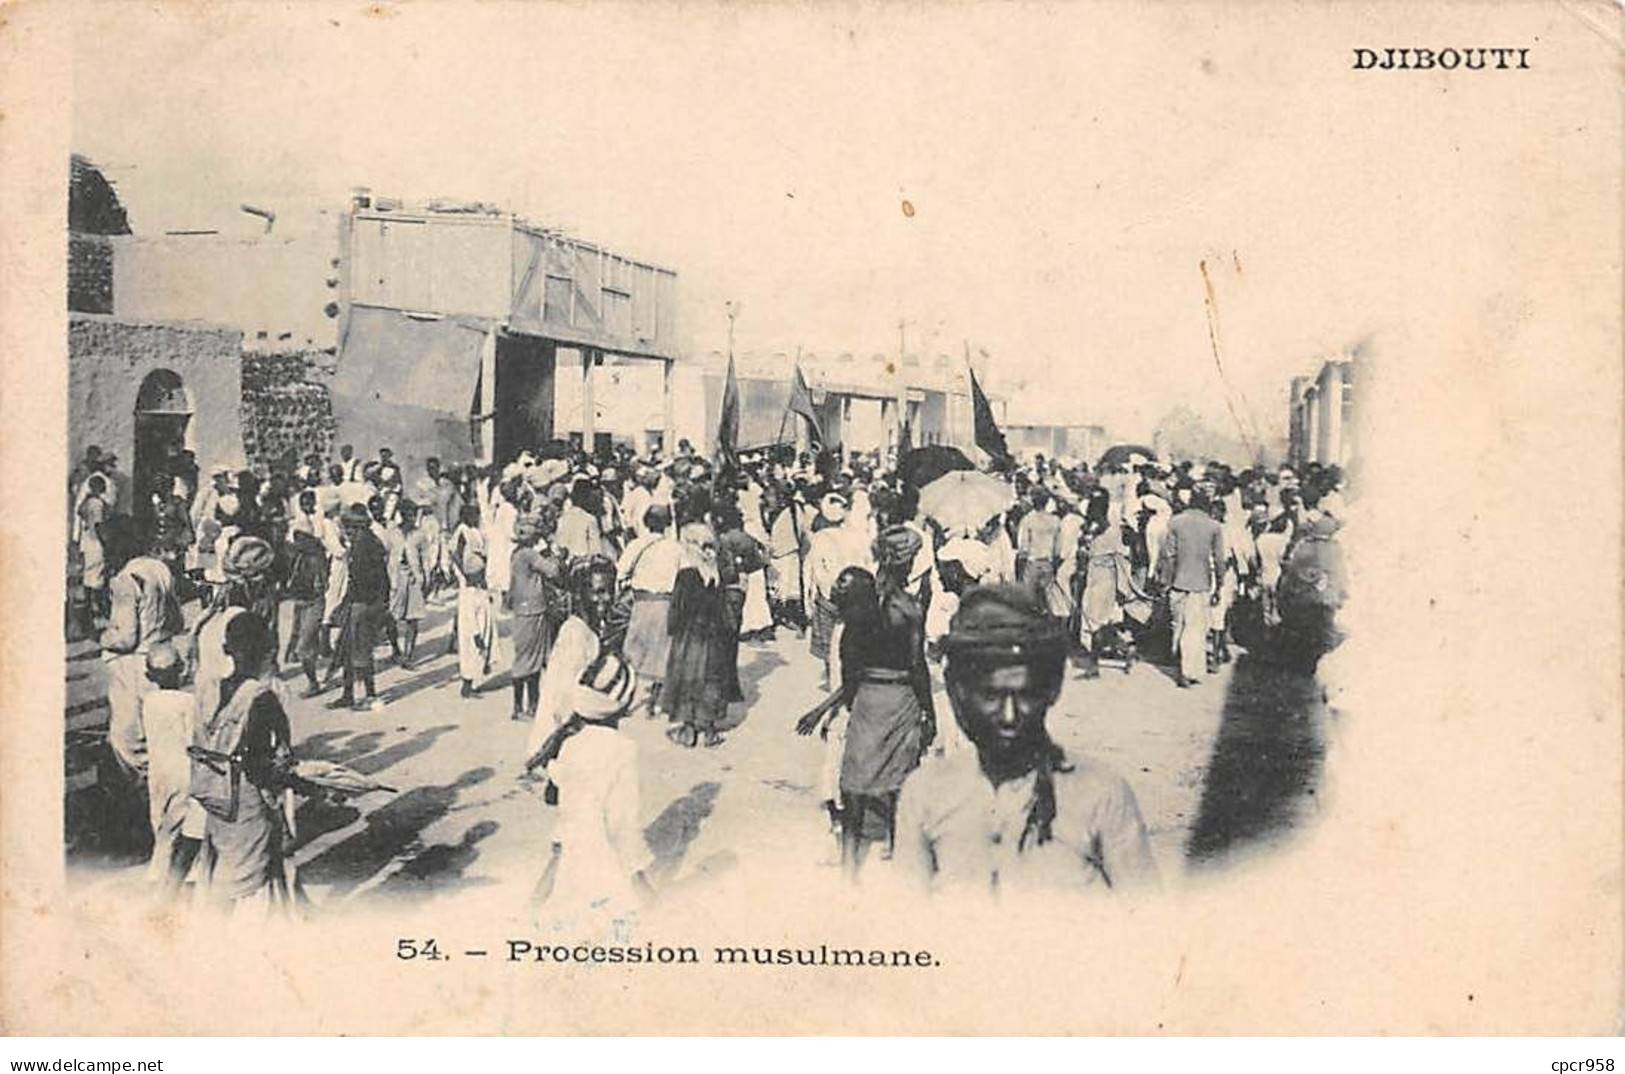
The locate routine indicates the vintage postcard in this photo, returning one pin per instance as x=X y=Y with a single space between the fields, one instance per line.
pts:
x=811 y=518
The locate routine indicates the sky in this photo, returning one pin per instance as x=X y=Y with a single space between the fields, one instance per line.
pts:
x=1067 y=168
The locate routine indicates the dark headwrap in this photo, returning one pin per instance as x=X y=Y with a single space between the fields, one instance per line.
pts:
x=897 y=547
x=1003 y=625
x=855 y=596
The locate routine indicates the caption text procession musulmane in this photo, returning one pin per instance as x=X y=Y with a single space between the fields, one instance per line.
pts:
x=649 y=954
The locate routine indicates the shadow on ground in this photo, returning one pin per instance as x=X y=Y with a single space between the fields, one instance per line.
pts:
x=391 y=831
x=1266 y=762
x=670 y=834
x=360 y=750
x=755 y=665
x=441 y=868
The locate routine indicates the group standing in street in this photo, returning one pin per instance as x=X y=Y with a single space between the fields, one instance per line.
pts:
x=602 y=587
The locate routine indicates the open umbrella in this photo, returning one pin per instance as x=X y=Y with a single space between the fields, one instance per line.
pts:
x=1119 y=454
x=965 y=499
x=923 y=465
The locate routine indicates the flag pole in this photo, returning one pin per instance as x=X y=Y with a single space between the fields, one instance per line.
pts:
x=784 y=419
x=970 y=392
x=727 y=452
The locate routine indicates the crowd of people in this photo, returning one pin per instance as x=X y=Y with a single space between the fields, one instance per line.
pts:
x=602 y=586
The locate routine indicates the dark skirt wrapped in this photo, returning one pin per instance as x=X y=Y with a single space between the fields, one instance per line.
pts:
x=532 y=641
x=736 y=609
x=882 y=738
x=697 y=679
x=360 y=634
x=823 y=626
x=307 y=630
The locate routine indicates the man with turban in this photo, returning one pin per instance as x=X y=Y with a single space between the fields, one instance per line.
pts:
x=1015 y=813
x=595 y=878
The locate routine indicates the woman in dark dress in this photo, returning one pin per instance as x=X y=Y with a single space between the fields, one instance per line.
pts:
x=887 y=691
x=698 y=671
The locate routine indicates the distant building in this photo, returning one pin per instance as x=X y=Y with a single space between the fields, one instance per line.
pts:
x=1322 y=421
x=865 y=402
x=149 y=391
x=514 y=308
x=1027 y=437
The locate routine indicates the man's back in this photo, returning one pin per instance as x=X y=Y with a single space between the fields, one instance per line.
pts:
x=143 y=606
x=638 y=501
x=306 y=567
x=1192 y=550
x=368 y=568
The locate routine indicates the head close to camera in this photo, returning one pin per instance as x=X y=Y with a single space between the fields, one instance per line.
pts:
x=1005 y=666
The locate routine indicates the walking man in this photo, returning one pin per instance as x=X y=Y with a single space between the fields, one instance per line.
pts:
x=305 y=586
x=366 y=597
x=1191 y=565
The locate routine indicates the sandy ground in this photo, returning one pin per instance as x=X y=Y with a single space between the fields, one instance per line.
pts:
x=1226 y=767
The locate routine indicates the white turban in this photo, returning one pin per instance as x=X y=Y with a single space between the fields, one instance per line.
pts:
x=605 y=689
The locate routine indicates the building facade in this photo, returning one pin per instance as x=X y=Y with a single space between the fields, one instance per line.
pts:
x=146 y=392
x=435 y=329
x=1029 y=439
x=1322 y=422
x=865 y=402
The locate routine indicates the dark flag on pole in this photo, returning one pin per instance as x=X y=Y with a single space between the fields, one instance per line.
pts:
x=728 y=422
x=988 y=436
x=801 y=403
x=475 y=418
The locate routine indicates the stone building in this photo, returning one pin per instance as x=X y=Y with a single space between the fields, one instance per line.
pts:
x=1322 y=423
x=142 y=388
x=147 y=391
x=433 y=329
x=1045 y=422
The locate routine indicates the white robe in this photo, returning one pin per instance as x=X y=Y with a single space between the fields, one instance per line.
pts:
x=499 y=526
x=599 y=832
x=574 y=650
x=167 y=718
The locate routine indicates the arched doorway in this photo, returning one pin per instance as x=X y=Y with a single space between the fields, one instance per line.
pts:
x=163 y=418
